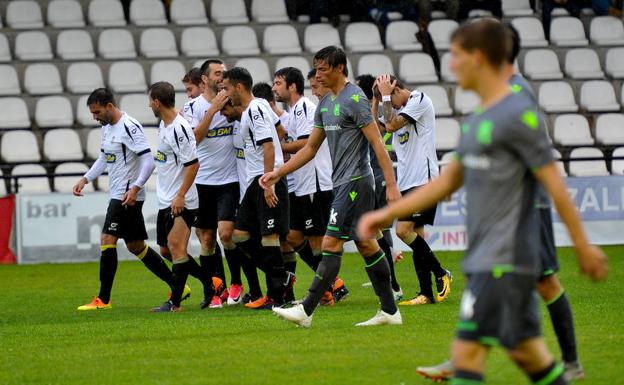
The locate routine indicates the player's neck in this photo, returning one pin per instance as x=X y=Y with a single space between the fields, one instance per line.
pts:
x=339 y=86
x=245 y=99
x=168 y=116
x=294 y=99
x=209 y=94
x=116 y=117
x=492 y=88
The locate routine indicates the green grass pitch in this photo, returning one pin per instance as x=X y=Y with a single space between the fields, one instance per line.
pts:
x=44 y=340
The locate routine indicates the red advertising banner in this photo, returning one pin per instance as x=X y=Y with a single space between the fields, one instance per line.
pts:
x=7 y=209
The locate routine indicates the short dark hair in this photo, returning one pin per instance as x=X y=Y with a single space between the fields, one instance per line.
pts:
x=311 y=73
x=514 y=48
x=263 y=90
x=486 y=35
x=205 y=67
x=164 y=93
x=193 y=76
x=365 y=82
x=399 y=84
x=333 y=56
x=239 y=75
x=101 y=96
x=292 y=75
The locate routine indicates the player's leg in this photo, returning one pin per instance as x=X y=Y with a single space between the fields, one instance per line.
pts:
x=406 y=232
x=468 y=358
x=385 y=240
x=206 y=229
x=534 y=359
x=443 y=277
x=227 y=204
x=250 y=248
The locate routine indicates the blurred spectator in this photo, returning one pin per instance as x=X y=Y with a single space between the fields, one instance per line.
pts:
x=465 y=6
x=572 y=6
x=425 y=7
x=331 y=9
x=381 y=8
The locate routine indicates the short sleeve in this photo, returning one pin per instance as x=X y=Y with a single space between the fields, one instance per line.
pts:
x=360 y=109
x=185 y=147
x=318 y=117
x=530 y=139
x=262 y=123
x=194 y=117
x=134 y=138
x=415 y=107
x=303 y=122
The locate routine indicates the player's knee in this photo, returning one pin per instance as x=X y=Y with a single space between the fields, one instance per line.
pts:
x=367 y=247
x=521 y=358
x=549 y=287
x=332 y=245
x=271 y=240
x=136 y=247
x=240 y=236
x=206 y=237
x=107 y=239
x=226 y=235
x=405 y=232
x=295 y=238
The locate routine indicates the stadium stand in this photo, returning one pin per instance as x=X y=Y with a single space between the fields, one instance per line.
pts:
x=188 y=12
x=199 y=42
x=106 y=13
x=65 y=184
x=65 y=14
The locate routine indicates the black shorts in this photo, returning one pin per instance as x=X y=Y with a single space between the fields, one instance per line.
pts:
x=304 y=215
x=125 y=222
x=422 y=218
x=501 y=310
x=380 y=193
x=216 y=204
x=548 y=251
x=164 y=223
x=323 y=202
x=351 y=201
x=254 y=214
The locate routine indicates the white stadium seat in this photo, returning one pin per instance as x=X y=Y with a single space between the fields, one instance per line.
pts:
x=240 y=40
x=610 y=129
x=614 y=63
x=542 y=64
x=74 y=44
x=294 y=61
x=84 y=77
x=158 y=43
x=622 y=95
x=363 y=37
x=199 y=42
x=93 y=143
x=171 y=71
x=516 y=8
x=258 y=68
x=606 y=30
x=54 y=111
x=5 y=51
x=65 y=14
x=42 y=79
x=83 y=115
x=588 y=167
x=147 y=12
x=572 y=130
x=137 y=106
x=106 y=13
x=447 y=134
x=560 y=166
x=375 y=64
x=20 y=146
x=269 y=11
x=598 y=96
x=617 y=165
x=440 y=99
x=557 y=96
x=441 y=31
x=583 y=63
x=531 y=32
x=24 y=14
x=567 y=32
x=126 y=76
x=317 y=36
x=188 y=12
x=281 y=39
x=228 y=12
x=465 y=101
x=9 y=82
x=445 y=69
x=3 y=190
x=116 y=44
x=14 y=113
x=62 y=144
x=31 y=185
x=417 y=68
x=66 y=184
x=33 y=45
x=401 y=36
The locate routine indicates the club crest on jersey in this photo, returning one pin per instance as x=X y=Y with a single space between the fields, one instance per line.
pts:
x=240 y=153
x=404 y=137
x=110 y=158
x=337 y=110
x=218 y=132
x=160 y=157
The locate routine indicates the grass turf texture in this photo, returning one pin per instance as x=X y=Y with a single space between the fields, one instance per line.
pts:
x=44 y=340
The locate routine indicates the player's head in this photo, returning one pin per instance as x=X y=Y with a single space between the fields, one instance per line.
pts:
x=161 y=97
x=287 y=82
x=317 y=89
x=478 y=47
x=514 y=43
x=102 y=105
x=232 y=113
x=237 y=82
x=193 y=84
x=331 y=65
x=366 y=82
x=263 y=91
x=212 y=74
x=398 y=97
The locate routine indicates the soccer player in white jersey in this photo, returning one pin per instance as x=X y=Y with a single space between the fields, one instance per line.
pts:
x=266 y=210
x=125 y=154
x=217 y=184
x=410 y=117
x=193 y=84
x=176 y=159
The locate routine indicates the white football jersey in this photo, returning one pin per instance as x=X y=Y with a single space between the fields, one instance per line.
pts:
x=121 y=145
x=176 y=150
x=258 y=123
x=324 y=167
x=216 y=154
x=240 y=160
x=188 y=109
x=290 y=178
x=299 y=126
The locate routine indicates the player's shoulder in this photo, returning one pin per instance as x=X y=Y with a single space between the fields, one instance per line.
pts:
x=130 y=125
x=418 y=99
x=353 y=94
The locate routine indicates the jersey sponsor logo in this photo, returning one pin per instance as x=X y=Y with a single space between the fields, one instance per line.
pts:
x=530 y=119
x=113 y=226
x=308 y=224
x=160 y=157
x=353 y=195
x=299 y=112
x=404 y=137
x=332 y=127
x=110 y=158
x=240 y=153
x=324 y=109
x=218 y=132
x=333 y=217
x=477 y=162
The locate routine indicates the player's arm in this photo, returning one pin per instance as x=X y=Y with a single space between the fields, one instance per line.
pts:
x=185 y=145
x=591 y=259
x=375 y=112
x=202 y=126
x=374 y=138
x=449 y=181
x=392 y=121
x=136 y=141
x=268 y=150
x=98 y=167
x=295 y=145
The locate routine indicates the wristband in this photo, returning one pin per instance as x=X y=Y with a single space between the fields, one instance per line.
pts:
x=385 y=98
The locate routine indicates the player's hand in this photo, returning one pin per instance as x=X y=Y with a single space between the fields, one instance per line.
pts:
x=385 y=85
x=177 y=205
x=77 y=190
x=392 y=193
x=593 y=262
x=219 y=101
x=129 y=198
x=372 y=222
x=269 y=179
x=270 y=197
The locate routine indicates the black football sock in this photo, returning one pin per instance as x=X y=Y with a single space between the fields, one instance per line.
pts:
x=180 y=274
x=385 y=247
x=422 y=269
x=305 y=252
x=430 y=259
x=463 y=377
x=208 y=263
x=563 y=323
x=324 y=277
x=251 y=251
x=379 y=273
x=552 y=375
x=218 y=262
x=274 y=262
x=290 y=261
x=108 y=268
x=152 y=260
x=202 y=275
x=233 y=257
